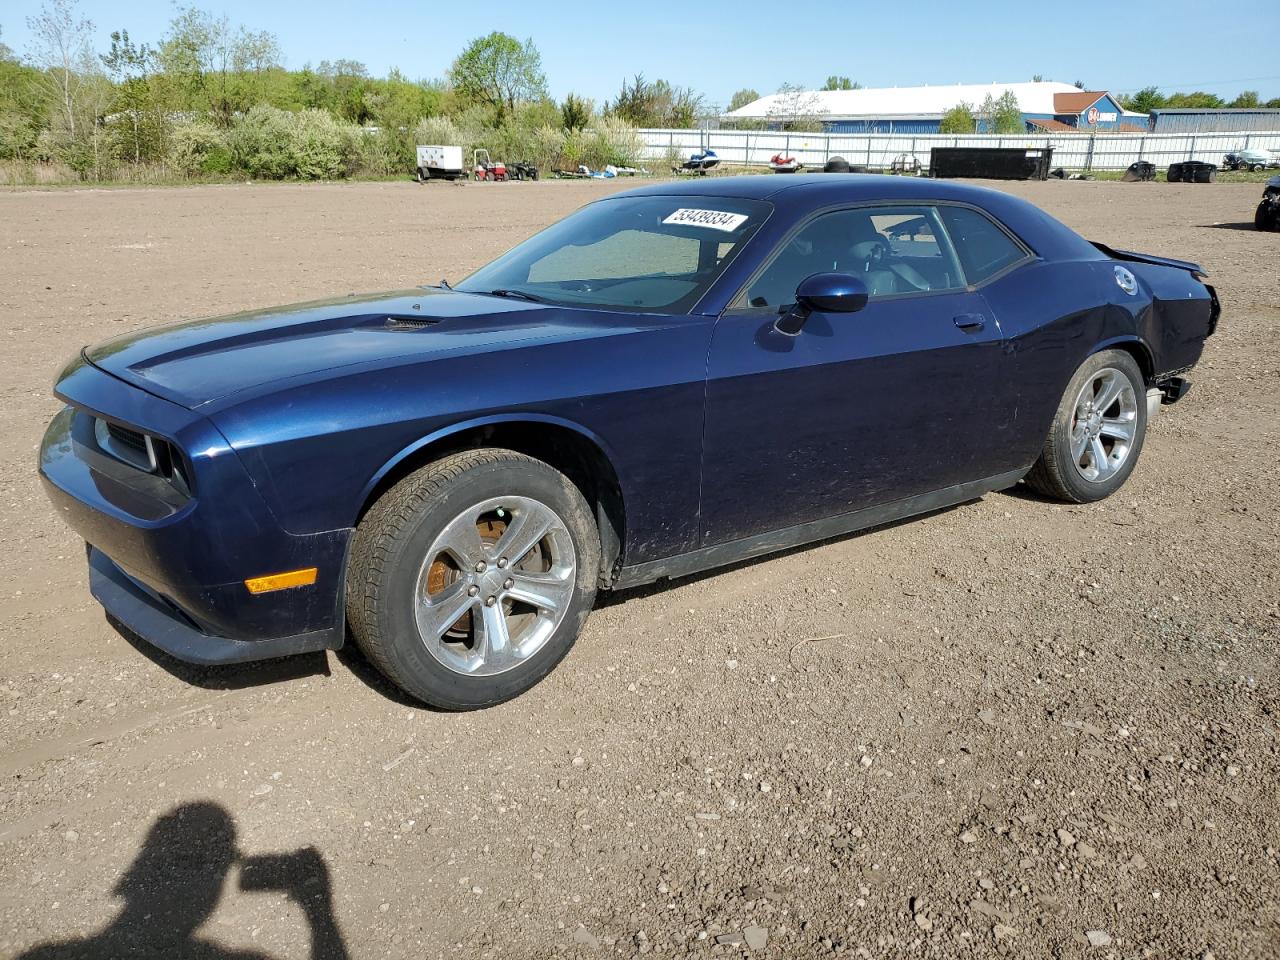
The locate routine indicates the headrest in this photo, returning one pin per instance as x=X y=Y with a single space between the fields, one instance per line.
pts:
x=865 y=250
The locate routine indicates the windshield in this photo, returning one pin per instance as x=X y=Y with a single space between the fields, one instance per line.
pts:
x=644 y=254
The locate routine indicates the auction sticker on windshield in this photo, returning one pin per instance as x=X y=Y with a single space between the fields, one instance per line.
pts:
x=715 y=219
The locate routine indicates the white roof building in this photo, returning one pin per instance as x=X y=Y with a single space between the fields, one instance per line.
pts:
x=907 y=106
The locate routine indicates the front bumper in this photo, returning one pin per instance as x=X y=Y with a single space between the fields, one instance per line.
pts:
x=157 y=621
x=171 y=566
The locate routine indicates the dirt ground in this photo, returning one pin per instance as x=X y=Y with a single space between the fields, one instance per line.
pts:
x=1013 y=728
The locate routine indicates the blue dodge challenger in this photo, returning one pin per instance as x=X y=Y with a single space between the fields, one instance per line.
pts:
x=669 y=379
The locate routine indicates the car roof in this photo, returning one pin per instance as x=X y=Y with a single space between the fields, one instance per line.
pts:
x=819 y=187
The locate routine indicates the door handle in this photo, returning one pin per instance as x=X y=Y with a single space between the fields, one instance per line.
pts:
x=970 y=321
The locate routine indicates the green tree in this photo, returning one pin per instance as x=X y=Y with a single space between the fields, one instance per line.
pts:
x=1195 y=99
x=129 y=65
x=642 y=103
x=1002 y=114
x=1246 y=100
x=959 y=119
x=23 y=106
x=1144 y=101
x=742 y=98
x=214 y=65
x=397 y=103
x=575 y=112
x=499 y=71
x=841 y=83
x=346 y=83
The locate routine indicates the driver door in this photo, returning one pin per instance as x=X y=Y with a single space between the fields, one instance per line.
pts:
x=901 y=398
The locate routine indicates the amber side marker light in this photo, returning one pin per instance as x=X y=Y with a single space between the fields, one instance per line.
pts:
x=282 y=581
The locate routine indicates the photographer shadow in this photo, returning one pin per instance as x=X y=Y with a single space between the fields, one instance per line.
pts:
x=174 y=884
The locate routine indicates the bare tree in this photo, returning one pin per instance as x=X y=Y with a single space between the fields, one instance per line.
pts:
x=61 y=46
x=796 y=108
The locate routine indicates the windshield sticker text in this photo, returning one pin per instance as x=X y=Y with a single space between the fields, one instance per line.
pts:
x=715 y=219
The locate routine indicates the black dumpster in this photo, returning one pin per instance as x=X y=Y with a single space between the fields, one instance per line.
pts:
x=991 y=163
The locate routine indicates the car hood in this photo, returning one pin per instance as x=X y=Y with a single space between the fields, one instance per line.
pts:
x=199 y=361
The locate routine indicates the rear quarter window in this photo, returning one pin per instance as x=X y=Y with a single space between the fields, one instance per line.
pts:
x=984 y=248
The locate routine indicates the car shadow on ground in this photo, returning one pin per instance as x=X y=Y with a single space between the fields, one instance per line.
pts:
x=176 y=881
x=233 y=676
x=1232 y=226
x=259 y=673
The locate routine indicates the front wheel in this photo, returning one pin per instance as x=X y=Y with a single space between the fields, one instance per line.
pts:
x=1097 y=432
x=471 y=578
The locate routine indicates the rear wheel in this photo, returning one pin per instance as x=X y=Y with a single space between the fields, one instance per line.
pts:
x=1097 y=432
x=471 y=578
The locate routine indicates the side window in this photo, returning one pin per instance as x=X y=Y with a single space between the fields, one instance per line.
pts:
x=983 y=248
x=893 y=250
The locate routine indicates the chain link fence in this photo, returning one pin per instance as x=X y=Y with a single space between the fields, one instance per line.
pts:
x=1074 y=151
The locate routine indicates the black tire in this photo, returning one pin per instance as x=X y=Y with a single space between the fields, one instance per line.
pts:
x=390 y=547
x=419 y=177
x=1055 y=474
x=1266 y=217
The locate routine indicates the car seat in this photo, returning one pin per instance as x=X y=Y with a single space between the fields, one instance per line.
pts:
x=867 y=259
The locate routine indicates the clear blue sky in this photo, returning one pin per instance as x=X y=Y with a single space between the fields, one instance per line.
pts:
x=717 y=48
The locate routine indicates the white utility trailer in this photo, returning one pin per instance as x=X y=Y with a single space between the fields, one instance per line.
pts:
x=440 y=163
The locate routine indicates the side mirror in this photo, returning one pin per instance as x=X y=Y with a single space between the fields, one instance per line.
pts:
x=824 y=293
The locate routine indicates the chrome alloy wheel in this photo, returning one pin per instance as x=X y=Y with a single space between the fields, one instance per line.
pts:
x=494 y=585
x=1104 y=424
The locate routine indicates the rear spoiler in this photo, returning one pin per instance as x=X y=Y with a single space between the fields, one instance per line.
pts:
x=1193 y=268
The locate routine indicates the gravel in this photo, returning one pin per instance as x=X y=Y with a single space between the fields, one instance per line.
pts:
x=990 y=680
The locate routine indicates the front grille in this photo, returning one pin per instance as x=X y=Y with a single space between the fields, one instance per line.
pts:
x=153 y=455
x=130 y=438
x=128 y=446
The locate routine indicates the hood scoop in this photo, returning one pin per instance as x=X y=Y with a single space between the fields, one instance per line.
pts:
x=408 y=322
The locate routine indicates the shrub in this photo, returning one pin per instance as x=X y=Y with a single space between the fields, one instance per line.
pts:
x=574 y=150
x=197 y=148
x=617 y=142
x=382 y=153
x=321 y=147
x=545 y=146
x=17 y=136
x=260 y=143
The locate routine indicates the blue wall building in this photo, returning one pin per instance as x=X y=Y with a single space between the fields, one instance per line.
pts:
x=1046 y=106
